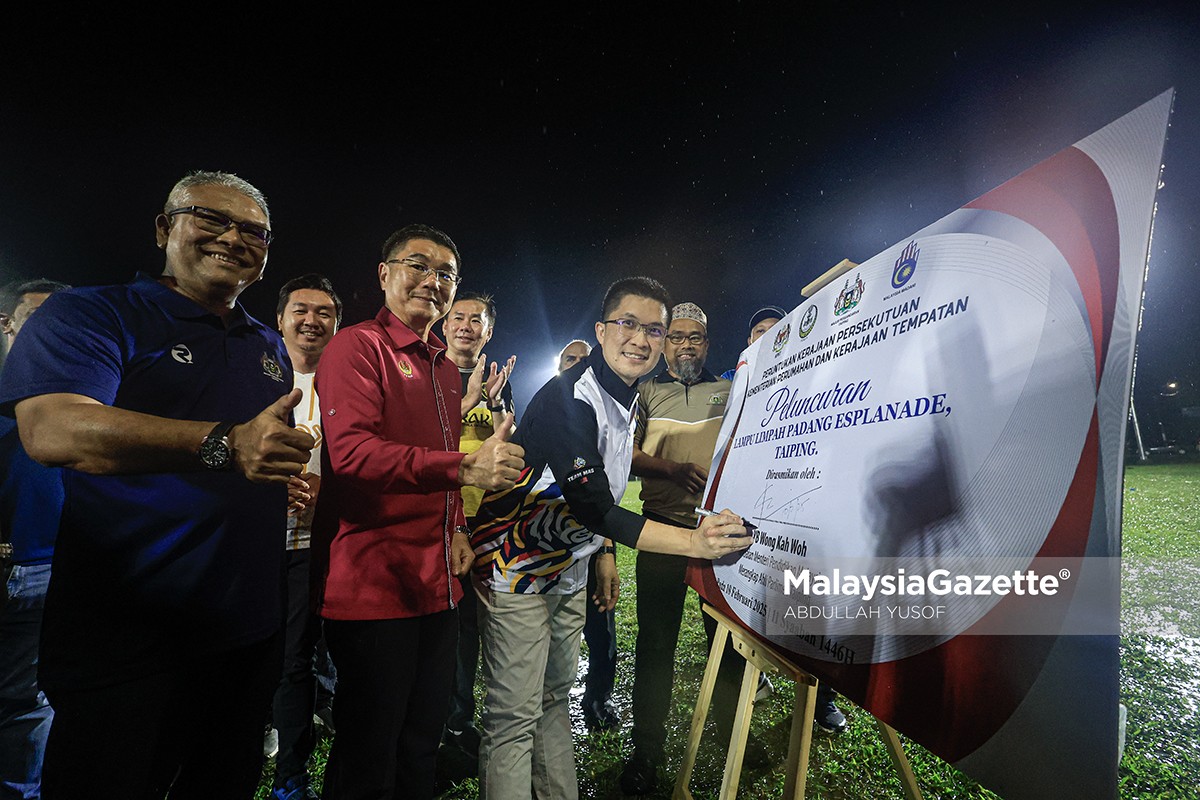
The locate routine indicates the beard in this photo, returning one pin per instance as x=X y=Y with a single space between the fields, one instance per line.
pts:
x=688 y=369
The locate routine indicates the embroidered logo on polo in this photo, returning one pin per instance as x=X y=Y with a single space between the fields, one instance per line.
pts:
x=580 y=471
x=271 y=368
x=405 y=368
x=181 y=354
x=717 y=399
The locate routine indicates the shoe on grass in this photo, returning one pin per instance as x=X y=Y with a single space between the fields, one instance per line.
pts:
x=756 y=754
x=640 y=775
x=827 y=716
x=467 y=740
x=270 y=742
x=765 y=689
x=295 y=789
x=599 y=715
x=323 y=717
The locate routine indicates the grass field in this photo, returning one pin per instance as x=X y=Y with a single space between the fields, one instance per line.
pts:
x=1160 y=681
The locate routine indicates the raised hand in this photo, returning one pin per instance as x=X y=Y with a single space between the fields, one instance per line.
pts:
x=498 y=377
x=474 y=392
x=269 y=450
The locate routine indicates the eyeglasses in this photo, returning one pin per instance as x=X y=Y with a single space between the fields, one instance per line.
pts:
x=630 y=327
x=444 y=277
x=216 y=222
x=694 y=338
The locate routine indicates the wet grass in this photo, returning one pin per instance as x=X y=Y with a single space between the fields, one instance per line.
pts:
x=1161 y=551
x=1160 y=681
x=1160 y=626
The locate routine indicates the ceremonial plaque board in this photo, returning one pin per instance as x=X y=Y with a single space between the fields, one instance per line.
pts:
x=931 y=450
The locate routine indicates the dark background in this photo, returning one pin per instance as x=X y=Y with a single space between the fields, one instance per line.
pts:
x=735 y=152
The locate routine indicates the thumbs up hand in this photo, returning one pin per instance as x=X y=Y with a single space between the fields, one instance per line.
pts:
x=268 y=450
x=504 y=432
x=497 y=463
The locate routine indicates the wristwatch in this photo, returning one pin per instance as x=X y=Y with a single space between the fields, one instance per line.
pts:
x=215 y=450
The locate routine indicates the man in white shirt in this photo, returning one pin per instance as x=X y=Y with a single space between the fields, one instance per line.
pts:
x=308 y=314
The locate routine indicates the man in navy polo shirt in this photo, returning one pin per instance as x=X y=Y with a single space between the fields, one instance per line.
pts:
x=168 y=407
x=31 y=498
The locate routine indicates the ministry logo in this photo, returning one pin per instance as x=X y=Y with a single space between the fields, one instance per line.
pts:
x=906 y=265
x=808 y=321
x=849 y=296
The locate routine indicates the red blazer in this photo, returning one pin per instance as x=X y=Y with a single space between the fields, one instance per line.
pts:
x=389 y=498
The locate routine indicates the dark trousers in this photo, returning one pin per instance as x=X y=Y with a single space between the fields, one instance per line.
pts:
x=660 y=594
x=462 y=698
x=25 y=714
x=326 y=675
x=600 y=633
x=393 y=696
x=196 y=730
x=296 y=695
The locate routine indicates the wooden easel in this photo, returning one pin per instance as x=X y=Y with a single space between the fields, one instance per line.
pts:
x=761 y=658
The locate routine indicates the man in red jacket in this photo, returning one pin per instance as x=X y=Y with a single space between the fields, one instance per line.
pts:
x=389 y=536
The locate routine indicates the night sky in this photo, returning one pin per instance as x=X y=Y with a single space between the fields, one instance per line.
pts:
x=734 y=152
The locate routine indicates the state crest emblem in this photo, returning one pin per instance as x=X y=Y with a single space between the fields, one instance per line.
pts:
x=271 y=368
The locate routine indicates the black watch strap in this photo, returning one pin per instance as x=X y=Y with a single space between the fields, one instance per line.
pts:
x=215 y=452
x=220 y=430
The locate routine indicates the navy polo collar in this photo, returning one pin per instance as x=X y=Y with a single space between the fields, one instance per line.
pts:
x=181 y=306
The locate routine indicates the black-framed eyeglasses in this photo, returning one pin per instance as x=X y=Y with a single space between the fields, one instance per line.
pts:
x=693 y=338
x=215 y=222
x=444 y=277
x=630 y=327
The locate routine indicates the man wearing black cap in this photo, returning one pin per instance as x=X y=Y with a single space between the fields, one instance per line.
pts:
x=761 y=321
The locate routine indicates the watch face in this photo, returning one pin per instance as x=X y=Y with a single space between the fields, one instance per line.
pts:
x=214 y=452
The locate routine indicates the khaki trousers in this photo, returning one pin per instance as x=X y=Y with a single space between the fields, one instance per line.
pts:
x=530 y=656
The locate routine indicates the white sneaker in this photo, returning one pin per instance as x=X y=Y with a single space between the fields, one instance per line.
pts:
x=270 y=743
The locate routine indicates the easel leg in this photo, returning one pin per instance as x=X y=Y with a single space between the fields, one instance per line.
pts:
x=759 y=657
x=707 y=684
x=740 y=732
x=900 y=761
x=800 y=741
